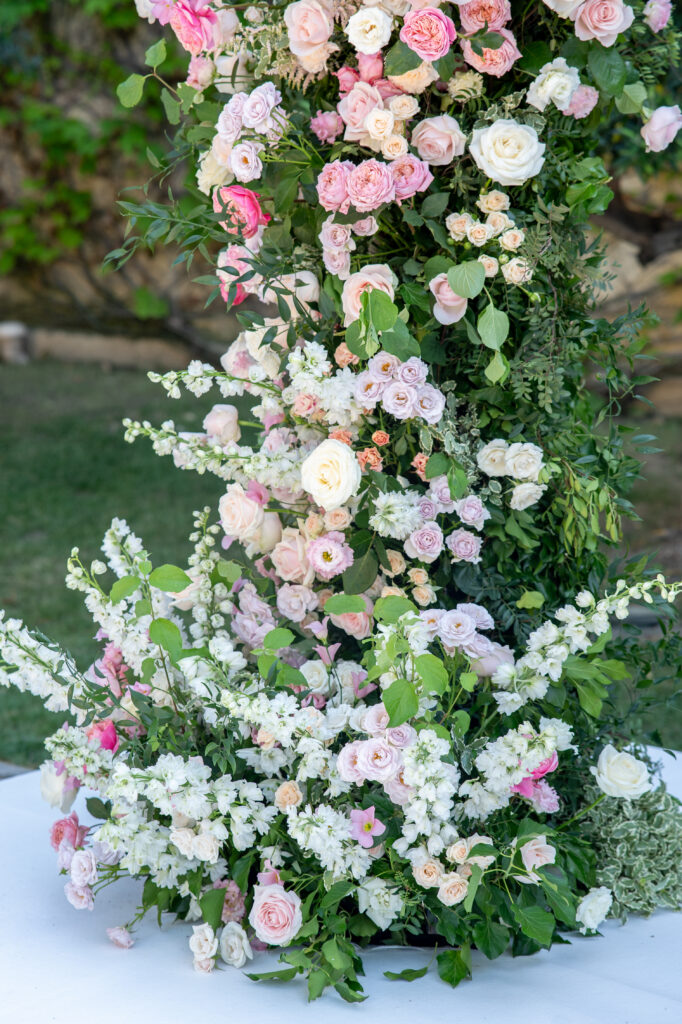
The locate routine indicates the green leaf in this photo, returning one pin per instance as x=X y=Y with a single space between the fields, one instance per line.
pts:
x=491 y=938
x=230 y=571
x=445 y=66
x=535 y=55
x=124 y=587
x=212 y=903
x=167 y=635
x=98 y=808
x=632 y=98
x=338 y=959
x=361 y=575
x=171 y=106
x=170 y=579
x=437 y=265
x=432 y=672
x=284 y=974
x=468 y=681
x=467 y=279
x=156 y=54
x=286 y=191
x=399 y=59
x=408 y=974
x=399 y=342
x=435 y=204
x=454 y=965
x=461 y=720
x=493 y=327
x=474 y=881
x=437 y=465
x=339 y=604
x=531 y=599
x=349 y=994
x=317 y=982
x=278 y=638
x=497 y=368
x=390 y=609
x=336 y=894
x=130 y=91
x=534 y=922
x=401 y=701
x=381 y=312
x=608 y=69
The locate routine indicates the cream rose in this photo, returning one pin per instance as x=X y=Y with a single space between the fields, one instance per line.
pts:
x=453 y=889
x=206 y=847
x=337 y=519
x=369 y=29
x=479 y=233
x=492 y=458
x=525 y=495
x=288 y=795
x=331 y=474
x=416 y=81
x=240 y=516
x=394 y=147
x=309 y=25
x=379 y=124
x=428 y=873
x=512 y=239
x=517 y=271
x=493 y=201
x=457 y=225
x=508 y=152
x=620 y=774
x=235 y=948
x=556 y=82
x=490 y=265
x=203 y=942
x=458 y=852
x=182 y=838
x=403 y=107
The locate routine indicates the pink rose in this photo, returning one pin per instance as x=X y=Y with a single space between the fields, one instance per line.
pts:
x=67 y=830
x=222 y=423
x=410 y=176
x=105 y=733
x=347 y=763
x=430 y=403
x=493 y=62
x=661 y=128
x=332 y=186
x=399 y=400
x=356 y=624
x=373 y=275
x=583 y=102
x=550 y=764
x=309 y=25
x=275 y=915
x=438 y=140
x=375 y=720
x=366 y=226
x=476 y=14
x=370 y=185
x=326 y=126
x=232 y=266
x=289 y=558
x=536 y=853
x=398 y=791
x=200 y=72
x=370 y=66
x=489 y=662
x=465 y=546
x=80 y=897
x=83 y=869
x=347 y=78
x=120 y=937
x=401 y=736
x=240 y=515
x=192 y=21
x=449 y=307
x=384 y=367
x=387 y=88
x=378 y=760
x=426 y=543
x=337 y=261
x=657 y=14
x=295 y=601
x=354 y=107
x=428 y=32
x=603 y=20
x=242 y=208
x=472 y=511
x=329 y=555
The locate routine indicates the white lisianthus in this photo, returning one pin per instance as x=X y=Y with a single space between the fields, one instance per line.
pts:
x=380 y=902
x=235 y=948
x=331 y=474
x=523 y=461
x=492 y=458
x=508 y=152
x=620 y=774
x=525 y=495
x=593 y=908
x=369 y=29
x=556 y=82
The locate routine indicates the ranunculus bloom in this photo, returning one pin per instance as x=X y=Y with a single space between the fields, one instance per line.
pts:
x=193 y=21
x=428 y=32
x=449 y=307
x=438 y=140
x=493 y=62
x=661 y=128
x=242 y=208
x=275 y=915
x=476 y=14
x=603 y=20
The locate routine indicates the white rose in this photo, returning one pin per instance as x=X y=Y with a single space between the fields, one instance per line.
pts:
x=508 y=152
x=525 y=495
x=556 y=82
x=493 y=201
x=621 y=774
x=222 y=423
x=206 y=847
x=379 y=124
x=83 y=868
x=235 y=947
x=369 y=29
x=593 y=908
x=316 y=676
x=211 y=173
x=393 y=147
x=331 y=474
x=240 y=515
x=403 y=107
x=245 y=162
x=53 y=788
x=183 y=839
x=232 y=73
x=564 y=8
x=203 y=943
x=523 y=461
x=492 y=458
x=479 y=233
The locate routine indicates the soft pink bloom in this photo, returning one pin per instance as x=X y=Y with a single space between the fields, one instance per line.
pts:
x=193 y=21
x=112 y=669
x=465 y=546
x=410 y=176
x=399 y=400
x=383 y=366
x=544 y=798
x=438 y=140
x=397 y=790
x=105 y=733
x=329 y=555
x=477 y=13
x=603 y=20
x=337 y=261
x=370 y=185
x=657 y=14
x=430 y=403
x=455 y=629
x=401 y=736
x=489 y=662
x=332 y=186
x=200 y=72
x=493 y=62
x=387 y=88
x=661 y=128
x=242 y=208
x=347 y=763
x=366 y=226
x=373 y=275
x=65 y=855
x=426 y=543
x=439 y=491
x=356 y=624
x=428 y=32
x=449 y=307
x=472 y=511
x=378 y=760
x=370 y=66
x=354 y=107
x=336 y=236
x=309 y=24
x=327 y=126
x=120 y=937
x=295 y=601
x=83 y=868
x=347 y=78
x=364 y=826
x=289 y=558
x=413 y=371
x=67 y=830
x=375 y=719
x=583 y=102
x=80 y=897
x=234 y=906
x=536 y=853
x=550 y=764
x=275 y=915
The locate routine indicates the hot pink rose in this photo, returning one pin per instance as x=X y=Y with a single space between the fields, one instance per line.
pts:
x=550 y=764
x=370 y=66
x=449 y=307
x=275 y=915
x=661 y=128
x=476 y=14
x=438 y=140
x=354 y=107
x=192 y=21
x=242 y=208
x=410 y=176
x=332 y=186
x=347 y=78
x=357 y=624
x=67 y=830
x=327 y=126
x=374 y=275
x=603 y=20
x=428 y=32
x=583 y=102
x=493 y=62
x=370 y=185
x=657 y=14
x=105 y=733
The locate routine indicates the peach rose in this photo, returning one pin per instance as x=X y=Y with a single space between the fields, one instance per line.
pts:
x=380 y=438
x=478 y=14
x=416 y=81
x=337 y=519
x=275 y=915
x=344 y=357
x=288 y=795
x=438 y=140
x=374 y=275
x=397 y=562
x=535 y=854
x=493 y=62
x=357 y=624
x=453 y=889
x=428 y=874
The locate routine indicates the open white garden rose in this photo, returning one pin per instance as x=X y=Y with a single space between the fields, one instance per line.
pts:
x=331 y=474
x=508 y=152
x=620 y=774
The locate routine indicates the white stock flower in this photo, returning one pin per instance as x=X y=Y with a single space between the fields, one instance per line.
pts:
x=508 y=152
x=620 y=774
x=331 y=474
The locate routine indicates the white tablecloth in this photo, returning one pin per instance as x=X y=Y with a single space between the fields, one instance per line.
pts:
x=57 y=965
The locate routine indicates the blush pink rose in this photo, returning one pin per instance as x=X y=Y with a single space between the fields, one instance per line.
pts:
x=309 y=25
x=370 y=185
x=332 y=186
x=465 y=546
x=583 y=102
x=67 y=830
x=347 y=763
x=370 y=66
x=489 y=662
x=275 y=915
x=242 y=208
x=428 y=32
x=378 y=760
x=410 y=176
x=603 y=20
x=661 y=128
x=373 y=275
x=326 y=126
x=476 y=14
x=657 y=14
x=347 y=78
x=192 y=21
x=536 y=853
x=386 y=88
x=289 y=558
x=200 y=72
x=120 y=937
x=438 y=140
x=449 y=307
x=356 y=624
x=426 y=543
x=493 y=62
x=354 y=107
x=105 y=733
